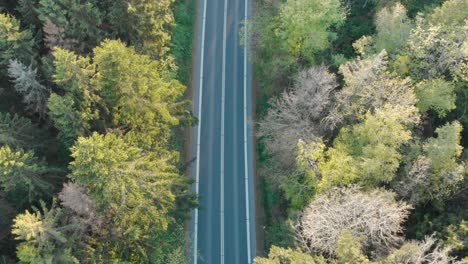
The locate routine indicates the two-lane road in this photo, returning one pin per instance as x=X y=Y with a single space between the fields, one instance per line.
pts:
x=223 y=229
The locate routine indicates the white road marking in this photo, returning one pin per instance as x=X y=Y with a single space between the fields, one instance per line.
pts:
x=223 y=95
x=197 y=173
x=246 y=161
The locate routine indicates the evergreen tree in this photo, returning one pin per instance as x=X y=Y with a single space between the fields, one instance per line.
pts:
x=131 y=186
x=45 y=238
x=18 y=132
x=14 y=43
x=22 y=176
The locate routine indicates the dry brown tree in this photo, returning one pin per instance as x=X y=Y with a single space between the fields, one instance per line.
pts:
x=297 y=114
x=74 y=198
x=374 y=215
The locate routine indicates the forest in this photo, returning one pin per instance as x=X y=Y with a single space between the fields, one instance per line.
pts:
x=93 y=109
x=361 y=125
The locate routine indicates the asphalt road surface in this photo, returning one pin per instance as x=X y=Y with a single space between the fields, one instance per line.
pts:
x=223 y=228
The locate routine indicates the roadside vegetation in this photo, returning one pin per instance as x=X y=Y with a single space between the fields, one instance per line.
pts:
x=92 y=94
x=361 y=130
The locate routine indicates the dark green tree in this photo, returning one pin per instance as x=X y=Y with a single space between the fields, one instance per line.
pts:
x=22 y=176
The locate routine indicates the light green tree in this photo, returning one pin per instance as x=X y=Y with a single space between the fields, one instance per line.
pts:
x=393 y=28
x=437 y=172
x=444 y=152
x=151 y=27
x=73 y=112
x=119 y=89
x=368 y=153
x=131 y=186
x=436 y=50
x=445 y=149
x=142 y=99
x=280 y=255
x=349 y=249
x=300 y=186
x=14 y=43
x=45 y=239
x=304 y=26
x=436 y=94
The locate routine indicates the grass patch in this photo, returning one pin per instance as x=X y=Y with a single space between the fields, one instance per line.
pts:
x=182 y=38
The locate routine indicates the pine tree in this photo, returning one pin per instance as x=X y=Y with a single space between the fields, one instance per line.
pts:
x=22 y=175
x=14 y=43
x=45 y=238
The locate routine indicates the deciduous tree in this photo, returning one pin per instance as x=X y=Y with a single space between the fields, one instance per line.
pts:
x=280 y=255
x=393 y=28
x=437 y=95
x=297 y=113
x=304 y=26
x=369 y=152
x=375 y=215
x=25 y=80
x=369 y=86
x=437 y=172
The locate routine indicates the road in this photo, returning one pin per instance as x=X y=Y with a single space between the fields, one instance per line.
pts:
x=223 y=228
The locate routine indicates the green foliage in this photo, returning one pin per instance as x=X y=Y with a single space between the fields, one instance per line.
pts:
x=28 y=11
x=79 y=21
x=349 y=249
x=445 y=149
x=130 y=184
x=290 y=34
x=369 y=152
x=457 y=236
x=14 y=43
x=355 y=26
x=368 y=86
x=440 y=218
x=142 y=100
x=150 y=27
x=18 y=132
x=182 y=37
x=299 y=187
x=437 y=50
x=45 y=238
x=280 y=255
x=451 y=13
x=22 y=176
x=437 y=94
x=62 y=111
x=73 y=112
x=393 y=28
x=304 y=26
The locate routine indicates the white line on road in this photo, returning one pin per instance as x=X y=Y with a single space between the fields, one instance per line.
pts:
x=223 y=92
x=246 y=161
x=197 y=173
